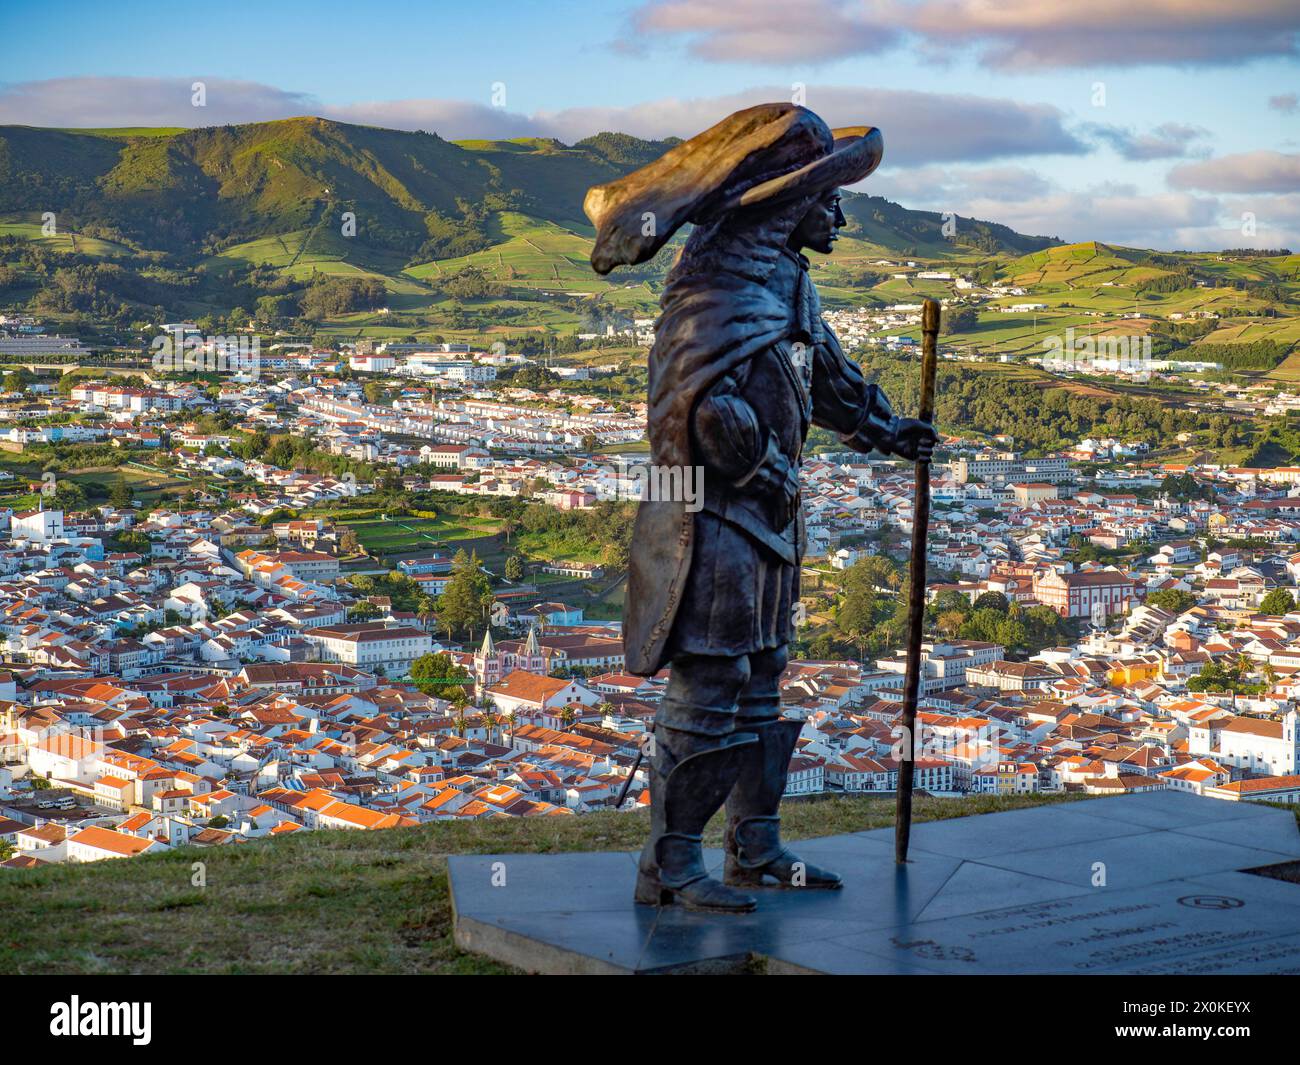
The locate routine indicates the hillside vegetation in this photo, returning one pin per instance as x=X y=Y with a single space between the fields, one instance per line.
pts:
x=483 y=240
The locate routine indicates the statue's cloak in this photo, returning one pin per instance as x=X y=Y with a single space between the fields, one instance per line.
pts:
x=711 y=323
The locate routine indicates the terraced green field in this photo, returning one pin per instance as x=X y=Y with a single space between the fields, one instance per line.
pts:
x=531 y=254
x=305 y=252
x=66 y=241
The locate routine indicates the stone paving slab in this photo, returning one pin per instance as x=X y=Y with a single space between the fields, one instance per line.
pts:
x=1145 y=883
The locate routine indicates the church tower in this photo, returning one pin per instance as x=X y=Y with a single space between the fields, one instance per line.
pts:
x=532 y=658
x=487 y=666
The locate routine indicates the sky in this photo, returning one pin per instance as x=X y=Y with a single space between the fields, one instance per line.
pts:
x=1169 y=124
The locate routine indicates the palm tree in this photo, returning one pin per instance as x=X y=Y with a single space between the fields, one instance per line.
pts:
x=568 y=715
x=491 y=722
x=510 y=718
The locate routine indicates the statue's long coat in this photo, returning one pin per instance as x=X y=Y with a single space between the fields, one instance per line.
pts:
x=709 y=325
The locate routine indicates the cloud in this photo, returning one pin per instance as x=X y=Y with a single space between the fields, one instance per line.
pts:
x=1260 y=171
x=1287 y=103
x=1008 y=34
x=768 y=31
x=124 y=101
x=1174 y=221
x=1172 y=140
x=1108 y=211
x=939 y=188
x=452 y=119
x=1034 y=34
x=919 y=127
x=1276 y=219
x=1116 y=214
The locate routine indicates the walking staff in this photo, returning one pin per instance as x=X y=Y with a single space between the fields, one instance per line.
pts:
x=916 y=589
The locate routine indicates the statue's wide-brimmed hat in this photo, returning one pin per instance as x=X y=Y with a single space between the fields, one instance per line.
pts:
x=770 y=154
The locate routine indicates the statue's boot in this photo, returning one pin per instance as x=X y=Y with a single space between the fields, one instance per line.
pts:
x=690 y=776
x=753 y=842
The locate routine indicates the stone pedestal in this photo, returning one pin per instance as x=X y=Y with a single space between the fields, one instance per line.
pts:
x=1146 y=883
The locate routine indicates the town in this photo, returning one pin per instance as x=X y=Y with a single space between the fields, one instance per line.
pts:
x=377 y=585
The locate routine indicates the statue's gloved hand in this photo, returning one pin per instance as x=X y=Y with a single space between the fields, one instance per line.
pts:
x=913 y=439
x=776 y=478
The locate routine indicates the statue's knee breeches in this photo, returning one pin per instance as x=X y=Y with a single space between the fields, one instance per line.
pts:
x=702 y=694
x=760 y=699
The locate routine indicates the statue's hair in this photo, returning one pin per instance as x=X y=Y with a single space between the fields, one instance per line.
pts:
x=746 y=243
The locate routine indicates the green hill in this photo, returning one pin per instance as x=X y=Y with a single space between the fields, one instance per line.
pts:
x=328 y=902
x=476 y=237
x=202 y=191
x=889 y=227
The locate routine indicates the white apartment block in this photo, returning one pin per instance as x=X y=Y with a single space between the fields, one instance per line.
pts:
x=371 y=645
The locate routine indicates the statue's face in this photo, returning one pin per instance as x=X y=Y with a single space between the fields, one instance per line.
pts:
x=819 y=228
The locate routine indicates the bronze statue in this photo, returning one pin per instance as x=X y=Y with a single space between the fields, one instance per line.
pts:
x=741 y=365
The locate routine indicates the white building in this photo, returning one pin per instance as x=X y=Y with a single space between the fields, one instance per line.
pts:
x=1260 y=745
x=371 y=645
x=40 y=526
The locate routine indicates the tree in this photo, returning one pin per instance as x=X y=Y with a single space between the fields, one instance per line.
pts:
x=17 y=380
x=438 y=675
x=467 y=596
x=993 y=626
x=1044 y=627
x=130 y=540
x=856 y=617
x=960 y=320
x=950 y=600
x=1218 y=677
x=121 y=496
x=68 y=495
x=515 y=568
x=1277 y=602
x=949 y=623
x=1175 y=600
x=992 y=601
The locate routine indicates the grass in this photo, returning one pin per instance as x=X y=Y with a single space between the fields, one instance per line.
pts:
x=399 y=535
x=147 y=483
x=562 y=546
x=329 y=902
x=64 y=240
